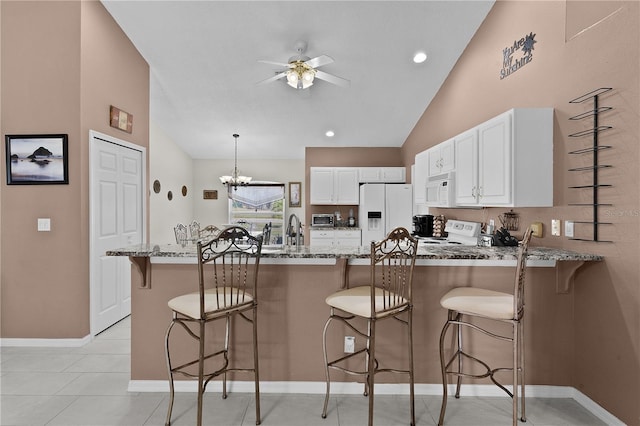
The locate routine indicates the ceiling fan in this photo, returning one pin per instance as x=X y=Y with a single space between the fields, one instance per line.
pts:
x=300 y=71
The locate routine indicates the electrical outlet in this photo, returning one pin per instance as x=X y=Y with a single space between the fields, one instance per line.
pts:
x=568 y=228
x=555 y=227
x=349 y=344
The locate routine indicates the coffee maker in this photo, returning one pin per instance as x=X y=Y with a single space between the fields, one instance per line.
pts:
x=423 y=225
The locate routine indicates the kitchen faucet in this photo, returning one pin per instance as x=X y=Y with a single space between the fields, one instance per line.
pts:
x=294 y=232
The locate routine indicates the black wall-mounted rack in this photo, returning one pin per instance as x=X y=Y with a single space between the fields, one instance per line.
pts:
x=594 y=131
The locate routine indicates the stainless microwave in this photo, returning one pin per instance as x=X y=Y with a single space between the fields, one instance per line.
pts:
x=322 y=219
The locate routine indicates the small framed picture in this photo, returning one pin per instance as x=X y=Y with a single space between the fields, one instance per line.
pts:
x=295 y=194
x=37 y=159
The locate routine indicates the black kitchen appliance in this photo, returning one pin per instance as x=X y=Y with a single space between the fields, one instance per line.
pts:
x=423 y=225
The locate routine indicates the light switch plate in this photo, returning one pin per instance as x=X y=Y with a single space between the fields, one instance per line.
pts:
x=555 y=227
x=568 y=228
x=44 y=224
x=536 y=228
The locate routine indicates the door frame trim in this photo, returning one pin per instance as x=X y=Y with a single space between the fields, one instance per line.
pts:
x=93 y=137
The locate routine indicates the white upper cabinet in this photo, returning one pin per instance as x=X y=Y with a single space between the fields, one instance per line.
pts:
x=334 y=185
x=494 y=161
x=420 y=172
x=466 y=178
x=382 y=175
x=394 y=174
x=507 y=161
x=321 y=185
x=347 y=188
x=441 y=158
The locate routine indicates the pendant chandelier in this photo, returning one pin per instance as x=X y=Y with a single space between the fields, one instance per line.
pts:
x=235 y=179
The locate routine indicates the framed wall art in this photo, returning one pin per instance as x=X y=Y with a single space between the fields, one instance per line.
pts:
x=295 y=192
x=37 y=159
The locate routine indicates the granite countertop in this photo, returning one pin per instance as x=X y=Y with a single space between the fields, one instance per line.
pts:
x=334 y=228
x=360 y=252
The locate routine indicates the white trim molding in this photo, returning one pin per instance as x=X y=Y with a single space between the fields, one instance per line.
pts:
x=353 y=388
x=55 y=343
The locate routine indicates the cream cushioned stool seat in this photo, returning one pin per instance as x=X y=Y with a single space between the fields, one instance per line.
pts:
x=216 y=303
x=357 y=301
x=478 y=301
x=464 y=304
x=387 y=295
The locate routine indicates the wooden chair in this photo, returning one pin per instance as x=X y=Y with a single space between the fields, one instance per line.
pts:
x=227 y=288
x=464 y=304
x=388 y=295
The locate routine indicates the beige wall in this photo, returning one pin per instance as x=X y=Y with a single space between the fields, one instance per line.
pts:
x=63 y=65
x=605 y=304
x=206 y=176
x=173 y=168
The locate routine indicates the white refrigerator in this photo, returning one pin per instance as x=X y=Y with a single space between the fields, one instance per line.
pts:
x=384 y=207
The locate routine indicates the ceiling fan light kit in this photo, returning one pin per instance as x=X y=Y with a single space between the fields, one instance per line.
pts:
x=301 y=71
x=301 y=75
x=235 y=179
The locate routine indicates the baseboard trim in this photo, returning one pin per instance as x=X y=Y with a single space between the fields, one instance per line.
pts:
x=55 y=343
x=352 y=388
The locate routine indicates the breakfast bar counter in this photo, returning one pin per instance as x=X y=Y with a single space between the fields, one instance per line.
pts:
x=293 y=283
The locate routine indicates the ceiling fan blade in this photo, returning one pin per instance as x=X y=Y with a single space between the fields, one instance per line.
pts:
x=274 y=78
x=332 y=79
x=319 y=61
x=281 y=64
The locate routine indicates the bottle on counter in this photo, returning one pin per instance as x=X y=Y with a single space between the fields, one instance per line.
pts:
x=352 y=218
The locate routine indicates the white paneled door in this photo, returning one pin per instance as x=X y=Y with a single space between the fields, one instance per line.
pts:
x=117 y=220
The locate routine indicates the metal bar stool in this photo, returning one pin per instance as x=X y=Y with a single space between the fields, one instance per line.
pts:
x=387 y=295
x=466 y=303
x=227 y=288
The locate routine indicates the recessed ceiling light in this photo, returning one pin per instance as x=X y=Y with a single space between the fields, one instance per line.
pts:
x=330 y=133
x=419 y=57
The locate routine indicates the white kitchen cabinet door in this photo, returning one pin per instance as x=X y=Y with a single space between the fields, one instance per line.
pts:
x=420 y=173
x=393 y=174
x=346 y=186
x=335 y=237
x=441 y=158
x=494 y=161
x=321 y=237
x=370 y=174
x=348 y=238
x=466 y=176
x=334 y=185
x=382 y=175
x=321 y=185
x=510 y=163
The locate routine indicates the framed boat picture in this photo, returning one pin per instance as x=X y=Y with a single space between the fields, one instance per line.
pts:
x=37 y=159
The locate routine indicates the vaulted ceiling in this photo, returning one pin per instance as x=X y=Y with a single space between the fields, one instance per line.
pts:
x=204 y=65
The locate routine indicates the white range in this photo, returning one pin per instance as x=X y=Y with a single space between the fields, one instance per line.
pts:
x=459 y=232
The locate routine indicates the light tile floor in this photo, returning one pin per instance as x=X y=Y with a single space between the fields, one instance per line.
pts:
x=88 y=386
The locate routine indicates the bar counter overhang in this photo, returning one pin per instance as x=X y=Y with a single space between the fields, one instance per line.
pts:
x=294 y=282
